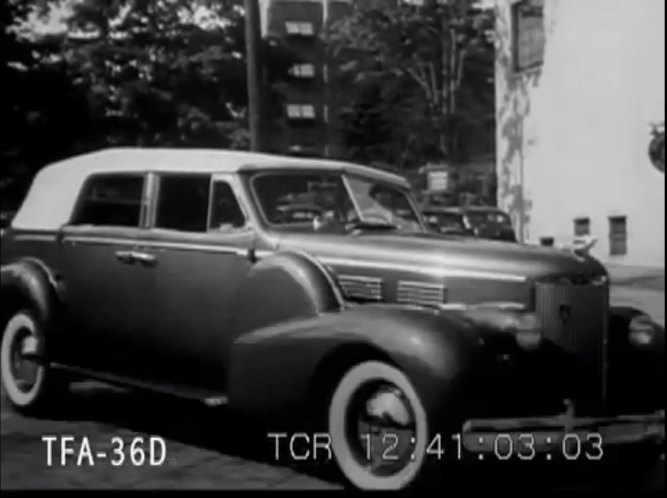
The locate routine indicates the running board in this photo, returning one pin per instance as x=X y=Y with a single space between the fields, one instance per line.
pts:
x=209 y=398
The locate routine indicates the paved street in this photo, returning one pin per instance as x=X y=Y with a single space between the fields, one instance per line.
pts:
x=650 y=300
x=207 y=448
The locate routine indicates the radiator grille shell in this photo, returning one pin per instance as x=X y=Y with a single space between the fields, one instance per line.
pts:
x=574 y=315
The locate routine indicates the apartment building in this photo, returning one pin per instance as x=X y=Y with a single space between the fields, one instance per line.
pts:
x=309 y=123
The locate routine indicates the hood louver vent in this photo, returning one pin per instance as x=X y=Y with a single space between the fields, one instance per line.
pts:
x=361 y=288
x=420 y=293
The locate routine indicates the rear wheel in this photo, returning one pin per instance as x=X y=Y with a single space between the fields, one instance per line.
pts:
x=378 y=427
x=27 y=380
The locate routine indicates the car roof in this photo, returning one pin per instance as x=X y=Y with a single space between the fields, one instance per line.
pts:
x=122 y=159
x=61 y=182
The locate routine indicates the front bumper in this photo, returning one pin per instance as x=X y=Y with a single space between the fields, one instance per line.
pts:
x=563 y=437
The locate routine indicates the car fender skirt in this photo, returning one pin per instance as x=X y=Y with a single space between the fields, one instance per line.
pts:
x=283 y=287
x=276 y=370
x=29 y=283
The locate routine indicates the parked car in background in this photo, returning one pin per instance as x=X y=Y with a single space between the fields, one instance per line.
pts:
x=480 y=221
x=212 y=275
x=447 y=221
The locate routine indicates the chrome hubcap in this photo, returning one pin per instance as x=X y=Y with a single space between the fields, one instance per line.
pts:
x=382 y=429
x=24 y=365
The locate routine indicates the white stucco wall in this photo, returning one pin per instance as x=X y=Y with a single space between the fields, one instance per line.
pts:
x=575 y=134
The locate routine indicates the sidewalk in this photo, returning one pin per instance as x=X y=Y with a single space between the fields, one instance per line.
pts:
x=637 y=276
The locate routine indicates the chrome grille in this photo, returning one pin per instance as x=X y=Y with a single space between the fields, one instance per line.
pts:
x=357 y=287
x=574 y=316
x=420 y=293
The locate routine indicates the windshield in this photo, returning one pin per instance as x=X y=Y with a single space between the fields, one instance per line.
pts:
x=288 y=198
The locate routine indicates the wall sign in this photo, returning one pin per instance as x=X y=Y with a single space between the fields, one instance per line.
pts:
x=656 y=149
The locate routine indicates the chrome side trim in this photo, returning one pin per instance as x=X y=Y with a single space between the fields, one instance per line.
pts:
x=501 y=305
x=327 y=260
x=185 y=246
x=35 y=237
x=433 y=272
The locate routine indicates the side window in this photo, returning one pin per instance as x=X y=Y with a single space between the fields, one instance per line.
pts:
x=182 y=202
x=226 y=213
x=111 y=200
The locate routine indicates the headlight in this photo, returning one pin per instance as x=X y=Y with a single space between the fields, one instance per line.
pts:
x=641 y=330
x=527 y=331
x=524 y=325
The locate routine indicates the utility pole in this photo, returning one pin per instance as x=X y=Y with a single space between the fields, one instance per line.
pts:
x=254 y=75
x=326 y=80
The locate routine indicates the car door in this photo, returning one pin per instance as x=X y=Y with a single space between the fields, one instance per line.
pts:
x=200 y=239
x=107 y=290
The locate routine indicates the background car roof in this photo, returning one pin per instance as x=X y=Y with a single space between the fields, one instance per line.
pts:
x=55 y=189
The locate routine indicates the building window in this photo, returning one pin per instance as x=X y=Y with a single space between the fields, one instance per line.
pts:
x=303 y=70
x=300 y=28
x=301 y=111
x=528 y=36
x=618 y=236
x=582 y=227
x=547 y=241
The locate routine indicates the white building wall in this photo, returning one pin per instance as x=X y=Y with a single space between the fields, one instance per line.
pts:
x=573 y=137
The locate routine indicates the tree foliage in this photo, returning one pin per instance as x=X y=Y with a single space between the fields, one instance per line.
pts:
x=125 y=72
x=417 y=80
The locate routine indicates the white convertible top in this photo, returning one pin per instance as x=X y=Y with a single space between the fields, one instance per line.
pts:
x=55 y=189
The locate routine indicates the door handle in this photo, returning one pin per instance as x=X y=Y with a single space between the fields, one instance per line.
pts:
x=126 y=257
x=145 y=258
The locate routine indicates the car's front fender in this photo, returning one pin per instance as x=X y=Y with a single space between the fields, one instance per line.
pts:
x=275 y=370
x=636 y=371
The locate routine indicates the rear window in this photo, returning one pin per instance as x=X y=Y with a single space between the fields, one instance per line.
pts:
x=447 y=220
x=477 y=218
x=111 y=200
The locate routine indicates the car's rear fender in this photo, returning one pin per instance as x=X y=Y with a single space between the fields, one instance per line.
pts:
x=289 y=367
x=29 y=283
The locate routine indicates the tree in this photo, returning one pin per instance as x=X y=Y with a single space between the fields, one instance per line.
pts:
x=41 y=111
x=165 y=72
x=422 y=77
x=125 y=72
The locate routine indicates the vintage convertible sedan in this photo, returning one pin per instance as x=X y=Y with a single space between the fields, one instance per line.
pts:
x=283 y=286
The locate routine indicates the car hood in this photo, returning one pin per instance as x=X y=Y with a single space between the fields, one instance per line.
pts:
x=437 y=253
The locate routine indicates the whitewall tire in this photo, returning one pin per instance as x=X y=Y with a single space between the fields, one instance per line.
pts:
x=25 y=379
x=390 y=458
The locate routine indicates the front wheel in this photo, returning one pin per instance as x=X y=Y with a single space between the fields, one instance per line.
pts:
x=28 y=381
x=378 y=428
